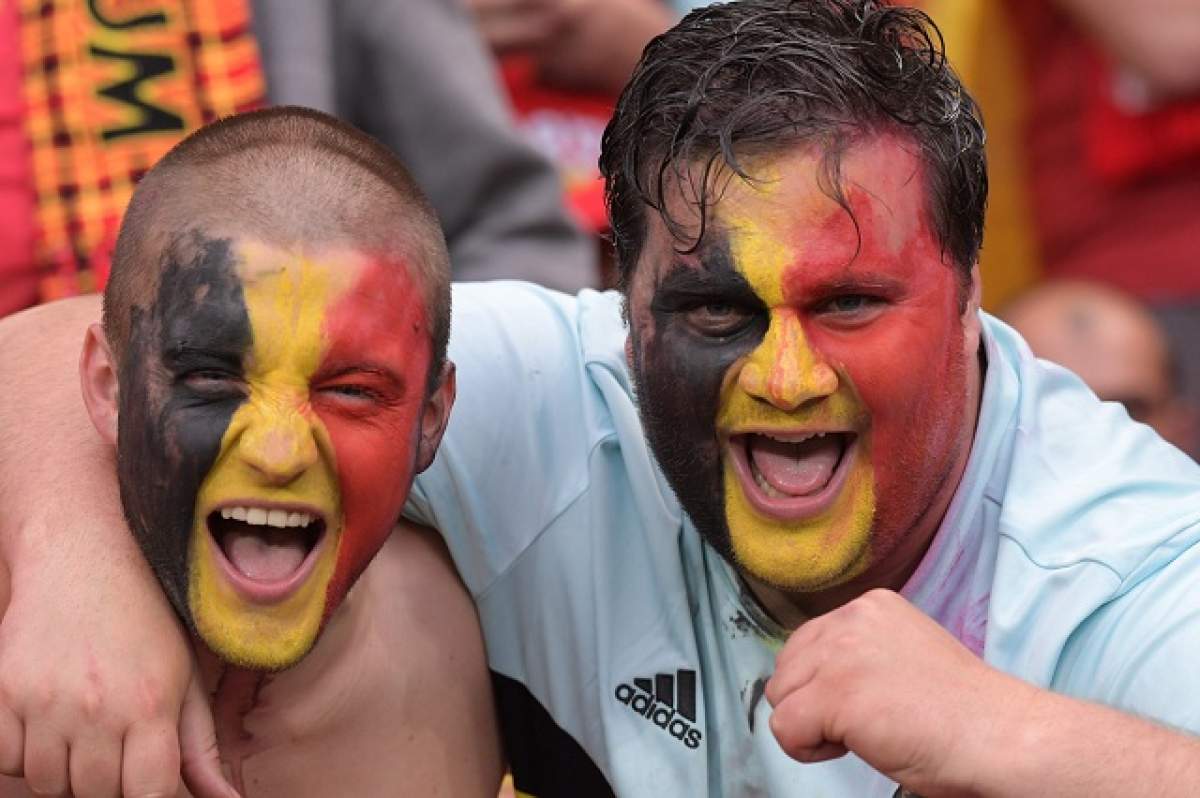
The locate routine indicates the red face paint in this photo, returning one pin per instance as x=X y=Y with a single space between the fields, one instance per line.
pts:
x=369 y=391
x=906 y=349
x=789 y=321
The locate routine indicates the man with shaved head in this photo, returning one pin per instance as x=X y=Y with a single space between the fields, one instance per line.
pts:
x=1115 y=344
x=271 y=369
x=792 y=516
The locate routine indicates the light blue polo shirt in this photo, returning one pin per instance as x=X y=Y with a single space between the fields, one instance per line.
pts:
x=628 y=658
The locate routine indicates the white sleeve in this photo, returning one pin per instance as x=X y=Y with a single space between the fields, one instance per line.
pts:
x=1138 y=653
x=515 y=451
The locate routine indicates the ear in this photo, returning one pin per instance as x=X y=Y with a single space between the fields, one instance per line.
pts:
x=970 y=316
x=434 y=417
x=98 y=379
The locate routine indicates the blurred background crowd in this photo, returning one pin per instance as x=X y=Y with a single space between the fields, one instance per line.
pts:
x=497 y=106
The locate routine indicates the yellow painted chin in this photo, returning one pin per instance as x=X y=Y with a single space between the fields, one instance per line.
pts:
x=275 y=450
x=259 y=636
x=815 y=554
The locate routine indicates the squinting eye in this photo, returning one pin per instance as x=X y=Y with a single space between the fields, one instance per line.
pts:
x=356 y=394
x=717 y=319
x=212 y=382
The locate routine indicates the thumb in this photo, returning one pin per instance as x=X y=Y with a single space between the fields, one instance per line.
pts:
x=198 y=747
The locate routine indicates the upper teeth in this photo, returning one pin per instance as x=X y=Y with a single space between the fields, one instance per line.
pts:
x=795 y=438
x=261 y=516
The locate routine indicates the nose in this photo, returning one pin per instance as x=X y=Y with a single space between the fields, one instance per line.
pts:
x=279 y=444
x=784 y=369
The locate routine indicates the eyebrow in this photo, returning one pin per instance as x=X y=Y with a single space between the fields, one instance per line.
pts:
x=714 y=272
x=860 y=280
x=178 y=355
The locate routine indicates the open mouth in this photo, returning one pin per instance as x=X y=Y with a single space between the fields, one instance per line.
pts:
x=792 y=476
x=267 y=551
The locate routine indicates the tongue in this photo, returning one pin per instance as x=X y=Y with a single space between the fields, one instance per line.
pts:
x=796 y=469
x=265 y=556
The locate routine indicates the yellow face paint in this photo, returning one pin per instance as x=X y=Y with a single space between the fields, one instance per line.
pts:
x=275 y=452
x=785 y=387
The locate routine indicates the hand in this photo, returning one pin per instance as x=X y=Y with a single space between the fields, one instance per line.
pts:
x=880 y=678
x=583 y=45
x=95 y=675
x=509 y=25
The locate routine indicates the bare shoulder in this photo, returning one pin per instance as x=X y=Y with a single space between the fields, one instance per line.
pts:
x=420 y=609
x=66 y=317
x=412 y=562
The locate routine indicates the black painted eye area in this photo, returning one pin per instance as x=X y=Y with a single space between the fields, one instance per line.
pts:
x=214 y=384
x=718 y=319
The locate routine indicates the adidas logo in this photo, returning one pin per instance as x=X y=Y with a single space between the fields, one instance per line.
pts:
x=668 y=701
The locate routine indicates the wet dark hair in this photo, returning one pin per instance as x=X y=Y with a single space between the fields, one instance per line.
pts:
x=759 y=76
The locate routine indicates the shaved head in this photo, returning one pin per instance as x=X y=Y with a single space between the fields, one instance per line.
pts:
x=1112 y=342
x=276 y=320
x=288 y=177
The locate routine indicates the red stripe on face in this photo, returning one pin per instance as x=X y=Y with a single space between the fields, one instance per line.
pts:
x=908 y=362
x=369 y=391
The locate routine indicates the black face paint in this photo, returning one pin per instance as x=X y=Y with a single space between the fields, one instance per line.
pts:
x=679 y=372
x=180 y=381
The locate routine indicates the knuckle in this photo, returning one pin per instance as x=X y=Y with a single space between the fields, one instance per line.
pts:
x=152 y=698
x=91 y=704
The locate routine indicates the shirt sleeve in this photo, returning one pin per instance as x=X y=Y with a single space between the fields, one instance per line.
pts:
x=515 y=451
x=1138 y=652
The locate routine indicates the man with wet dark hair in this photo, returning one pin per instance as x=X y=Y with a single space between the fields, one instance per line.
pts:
x=809 y=523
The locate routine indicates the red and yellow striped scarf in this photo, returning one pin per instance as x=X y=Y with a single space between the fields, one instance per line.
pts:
x=110 y=86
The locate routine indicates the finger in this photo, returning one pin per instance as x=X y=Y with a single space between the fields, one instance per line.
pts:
x=798 y=724
x=792 y=674
x=95 y=767
x=150 y=761
x=45 y=761
x=12 y=742
x=198 y=748
x=509 y=7
x=505 y=33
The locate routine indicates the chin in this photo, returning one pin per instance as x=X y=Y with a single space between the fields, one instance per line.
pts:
x=252 y=605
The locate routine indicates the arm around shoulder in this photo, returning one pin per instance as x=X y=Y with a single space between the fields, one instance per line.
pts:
x=93 y=665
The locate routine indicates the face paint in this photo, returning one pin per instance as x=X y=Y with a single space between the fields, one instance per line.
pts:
x=805 y=392
x=309 y=446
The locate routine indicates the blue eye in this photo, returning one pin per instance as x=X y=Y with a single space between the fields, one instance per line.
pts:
x=849 y=304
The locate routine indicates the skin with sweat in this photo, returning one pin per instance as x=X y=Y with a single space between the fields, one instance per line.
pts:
x=268 y=433
x=809 y=387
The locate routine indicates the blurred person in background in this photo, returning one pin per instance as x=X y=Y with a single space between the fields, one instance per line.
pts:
x=563 y=63
x=1093 y=110
x=1114 y=344
x=92 y=94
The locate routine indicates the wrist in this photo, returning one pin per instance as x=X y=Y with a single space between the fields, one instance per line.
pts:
x=1005 y=743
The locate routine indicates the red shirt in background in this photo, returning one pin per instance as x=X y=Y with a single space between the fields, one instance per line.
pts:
x=18 y=275
x=1116 y=193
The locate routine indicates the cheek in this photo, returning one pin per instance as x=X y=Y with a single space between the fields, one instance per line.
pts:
x=913 y=383
x=375 y=469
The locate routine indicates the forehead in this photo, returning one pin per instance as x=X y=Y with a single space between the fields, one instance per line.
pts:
x=331 y=292
x=1113 y=348
x=787 y=215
